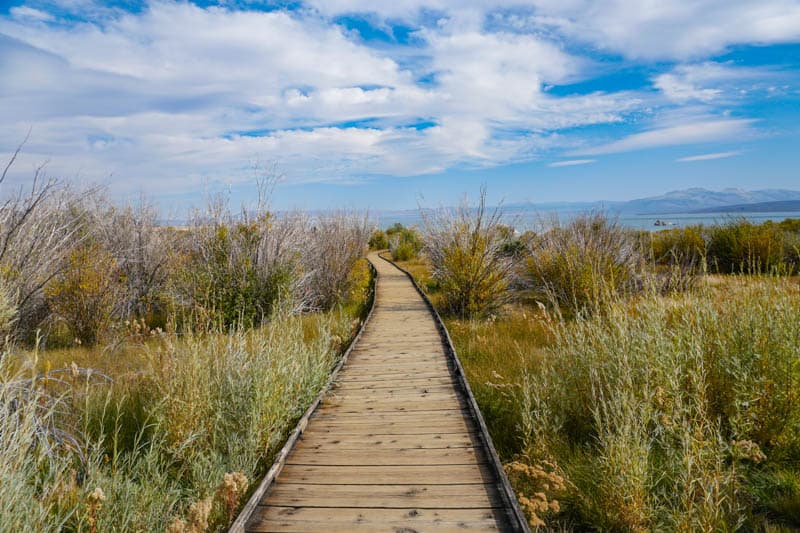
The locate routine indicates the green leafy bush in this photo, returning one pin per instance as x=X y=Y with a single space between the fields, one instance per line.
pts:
x=220 y=276
x=404 y=251
x=404 y=242
x=378 y=240
x=683 y=245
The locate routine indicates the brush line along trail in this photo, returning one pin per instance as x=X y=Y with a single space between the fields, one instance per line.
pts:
x=393 y=445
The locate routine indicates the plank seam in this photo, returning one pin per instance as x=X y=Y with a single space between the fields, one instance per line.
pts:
x=382 y=507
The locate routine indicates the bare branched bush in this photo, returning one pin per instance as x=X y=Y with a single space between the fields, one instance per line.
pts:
x=336 y=242
x=139 y=246
x=8 y=312
x=39 y=226
x=466 y=250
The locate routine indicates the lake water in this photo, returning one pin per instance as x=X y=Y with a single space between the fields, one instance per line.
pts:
x=522 y=218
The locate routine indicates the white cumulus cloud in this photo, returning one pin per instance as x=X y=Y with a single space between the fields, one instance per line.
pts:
x=176 y=93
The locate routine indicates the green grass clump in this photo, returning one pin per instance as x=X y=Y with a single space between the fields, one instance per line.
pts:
x=161 y=439
x=495 y=354
x=669 y=413
x=682 y=245
x=733 y=246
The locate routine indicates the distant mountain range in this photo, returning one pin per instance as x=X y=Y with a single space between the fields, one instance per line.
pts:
x=782 y=206
x=694 y=200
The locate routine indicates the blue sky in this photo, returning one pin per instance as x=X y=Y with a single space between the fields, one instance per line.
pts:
x=385 y=104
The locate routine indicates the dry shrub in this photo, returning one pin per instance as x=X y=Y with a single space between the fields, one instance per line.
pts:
x=465 y=248
x=233 y=487
x=540 y=486
x=578 y=265
x=38 y=229
x=141 y=249
x=86 y=294
x=8 y=313
x=335 y=243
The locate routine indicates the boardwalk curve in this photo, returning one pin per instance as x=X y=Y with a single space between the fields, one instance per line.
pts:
x=396 y=443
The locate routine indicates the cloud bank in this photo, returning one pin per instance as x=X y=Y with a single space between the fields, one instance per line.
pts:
x=169 y=94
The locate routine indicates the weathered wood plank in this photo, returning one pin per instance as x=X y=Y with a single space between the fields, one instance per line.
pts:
x=388 y=475
x=336 y=414
x=399 y=408
x=409 y=382
x=385 y=496
x=380 y=456
x=432 y=423
x=269 y=518
x=409 y=400
x=368 y=432
x=364 y=442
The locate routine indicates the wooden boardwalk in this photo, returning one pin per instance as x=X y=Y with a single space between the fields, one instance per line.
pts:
x=395 y=444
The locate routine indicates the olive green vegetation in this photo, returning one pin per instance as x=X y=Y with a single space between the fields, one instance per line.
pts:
x=223 y=281
x=734 y=246
x=645 y=405
x=403 y=242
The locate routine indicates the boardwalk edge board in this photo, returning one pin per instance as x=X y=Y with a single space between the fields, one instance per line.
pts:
x=239 y=524
x=516 y=516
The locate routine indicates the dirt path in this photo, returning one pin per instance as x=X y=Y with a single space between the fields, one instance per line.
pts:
x=393 y=445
